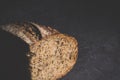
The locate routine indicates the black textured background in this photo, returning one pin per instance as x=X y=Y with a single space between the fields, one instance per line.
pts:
x=95 y=24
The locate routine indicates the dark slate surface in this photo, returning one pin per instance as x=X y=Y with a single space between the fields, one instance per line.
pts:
x=95 y=24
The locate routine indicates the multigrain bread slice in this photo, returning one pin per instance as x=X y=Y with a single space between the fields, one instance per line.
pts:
x=51 y=56
x=55 y=58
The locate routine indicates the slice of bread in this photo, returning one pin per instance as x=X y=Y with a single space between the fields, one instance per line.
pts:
x=55 y=58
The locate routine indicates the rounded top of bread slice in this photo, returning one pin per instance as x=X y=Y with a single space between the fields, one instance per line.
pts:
x=53 y=57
